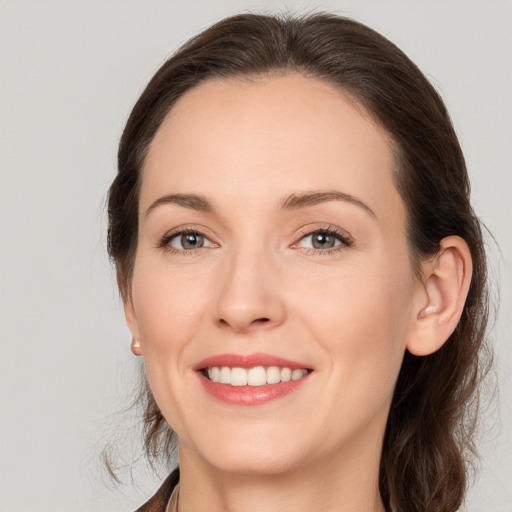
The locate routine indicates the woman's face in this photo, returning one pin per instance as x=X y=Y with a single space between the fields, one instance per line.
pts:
x=272 y=239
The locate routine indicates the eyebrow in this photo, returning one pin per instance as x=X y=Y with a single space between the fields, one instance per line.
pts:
x=305 y=199
x=192 y=201
x=291 y=202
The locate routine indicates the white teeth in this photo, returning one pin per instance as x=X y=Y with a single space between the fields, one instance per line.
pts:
x=256 y=376
x=239 y=377
x=224 y=375
x=286 y=375
x=213 y=373
x=298 y=374
x=273 y=375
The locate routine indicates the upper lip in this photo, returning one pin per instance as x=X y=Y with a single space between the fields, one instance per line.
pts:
x=248 y=361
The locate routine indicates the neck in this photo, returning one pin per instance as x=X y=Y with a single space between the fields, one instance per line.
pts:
x=347 y=486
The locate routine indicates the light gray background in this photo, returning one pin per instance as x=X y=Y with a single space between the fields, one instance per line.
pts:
x=69 y=73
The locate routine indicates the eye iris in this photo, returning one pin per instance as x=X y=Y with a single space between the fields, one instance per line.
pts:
x=323 y=241
x=191 y=241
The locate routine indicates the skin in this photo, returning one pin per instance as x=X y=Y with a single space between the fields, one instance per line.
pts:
x=258 y=286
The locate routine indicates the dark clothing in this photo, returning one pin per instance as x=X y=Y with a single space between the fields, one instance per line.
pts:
x=158 y=502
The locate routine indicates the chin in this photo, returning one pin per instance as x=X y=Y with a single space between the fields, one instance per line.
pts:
x=255 y=463
x=252 y=451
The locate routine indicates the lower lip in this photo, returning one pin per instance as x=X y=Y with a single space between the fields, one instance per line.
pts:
x=250 y=395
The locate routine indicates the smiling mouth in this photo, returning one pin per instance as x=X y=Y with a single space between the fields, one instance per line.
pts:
x=255 y=376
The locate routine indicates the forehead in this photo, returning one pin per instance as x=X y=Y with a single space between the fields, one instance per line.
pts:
x=288 y=132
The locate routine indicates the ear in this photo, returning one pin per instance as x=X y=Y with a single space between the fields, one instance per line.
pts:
x=447 y=277
x=133 y=325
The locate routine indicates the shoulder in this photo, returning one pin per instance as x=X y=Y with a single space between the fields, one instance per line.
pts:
x=158 y=501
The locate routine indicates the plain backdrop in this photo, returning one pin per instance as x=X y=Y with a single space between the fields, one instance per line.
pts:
x=70 y=72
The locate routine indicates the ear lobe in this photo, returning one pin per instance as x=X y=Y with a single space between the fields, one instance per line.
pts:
x=131 y=321
x=136 y=347
x=447 y=280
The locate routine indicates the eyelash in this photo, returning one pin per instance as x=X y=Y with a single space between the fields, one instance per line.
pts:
x=164 y=242
x=344 y=239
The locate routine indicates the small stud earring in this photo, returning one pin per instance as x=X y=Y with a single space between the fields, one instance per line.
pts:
x=136 y=346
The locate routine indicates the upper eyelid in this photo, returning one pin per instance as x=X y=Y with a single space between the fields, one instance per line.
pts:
x=190 y=228
x=329 y=229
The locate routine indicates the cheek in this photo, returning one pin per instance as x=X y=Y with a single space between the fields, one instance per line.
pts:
x=361 y=323
x=170 y=307
x=346 y=304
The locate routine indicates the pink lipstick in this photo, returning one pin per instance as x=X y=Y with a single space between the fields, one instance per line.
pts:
x=252 y=379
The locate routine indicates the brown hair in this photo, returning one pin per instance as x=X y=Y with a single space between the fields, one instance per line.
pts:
x=429 y=439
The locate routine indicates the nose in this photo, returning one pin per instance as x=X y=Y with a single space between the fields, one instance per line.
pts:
x=249 y=297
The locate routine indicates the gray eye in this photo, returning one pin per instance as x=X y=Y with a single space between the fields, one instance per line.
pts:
x=187 y=241
x=323 y=241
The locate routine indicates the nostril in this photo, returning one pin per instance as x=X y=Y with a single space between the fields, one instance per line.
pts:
x=243 y=325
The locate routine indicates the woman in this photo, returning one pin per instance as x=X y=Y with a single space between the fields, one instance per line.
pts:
x=301 y=272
